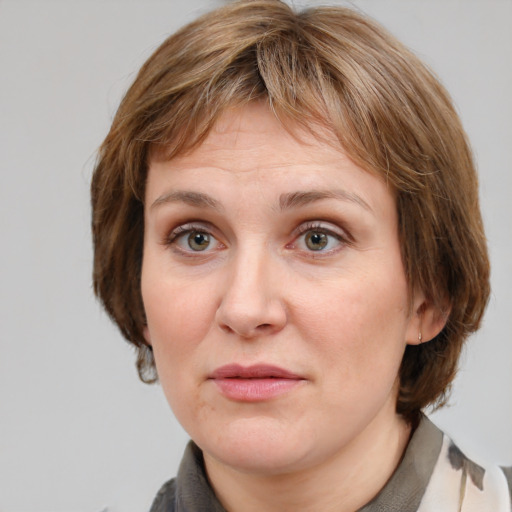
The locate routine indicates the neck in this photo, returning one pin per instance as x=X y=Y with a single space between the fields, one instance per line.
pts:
x=343 y=483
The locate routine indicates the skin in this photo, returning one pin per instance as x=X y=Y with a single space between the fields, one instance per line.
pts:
x=338 y=316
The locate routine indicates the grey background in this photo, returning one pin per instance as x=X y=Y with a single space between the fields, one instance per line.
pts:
x=78 y=432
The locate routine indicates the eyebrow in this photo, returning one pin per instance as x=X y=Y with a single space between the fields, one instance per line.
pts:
x=286 y=201
x=188 y=197
x=303 y=198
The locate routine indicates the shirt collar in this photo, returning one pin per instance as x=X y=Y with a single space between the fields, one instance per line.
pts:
x=402 y=493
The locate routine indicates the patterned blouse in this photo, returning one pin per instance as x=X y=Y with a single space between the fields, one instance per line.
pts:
x=434 y=476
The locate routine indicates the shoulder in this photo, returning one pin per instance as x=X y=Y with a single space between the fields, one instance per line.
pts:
x=165 y=499
x=468 y=485
x=508 y=476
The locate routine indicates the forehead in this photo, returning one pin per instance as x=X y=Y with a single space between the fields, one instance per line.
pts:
x=249 y=149
x=255 y=137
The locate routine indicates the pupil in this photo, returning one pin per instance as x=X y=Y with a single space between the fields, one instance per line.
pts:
x=316 y=241
x=198 y=241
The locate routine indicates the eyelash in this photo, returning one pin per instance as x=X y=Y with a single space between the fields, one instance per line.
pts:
x=317 y=227
x=186 y=229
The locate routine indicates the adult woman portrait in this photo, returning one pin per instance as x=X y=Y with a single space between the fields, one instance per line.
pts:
x=285 y=226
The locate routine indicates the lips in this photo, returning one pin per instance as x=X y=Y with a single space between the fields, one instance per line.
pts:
x=254 y=383
x=259 y=371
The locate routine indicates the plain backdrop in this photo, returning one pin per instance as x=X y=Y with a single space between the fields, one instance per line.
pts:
x=78 y=431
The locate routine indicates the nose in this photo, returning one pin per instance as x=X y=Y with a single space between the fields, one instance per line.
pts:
x=252 y=302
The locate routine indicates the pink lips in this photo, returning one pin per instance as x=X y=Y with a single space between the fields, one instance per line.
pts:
x=254 y=383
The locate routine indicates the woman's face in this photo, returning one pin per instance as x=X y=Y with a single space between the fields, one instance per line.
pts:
x=275 y=295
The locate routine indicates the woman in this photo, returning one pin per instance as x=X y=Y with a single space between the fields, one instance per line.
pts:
x=286 y=227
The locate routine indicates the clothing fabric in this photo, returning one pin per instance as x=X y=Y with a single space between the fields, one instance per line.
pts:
x=433 y=476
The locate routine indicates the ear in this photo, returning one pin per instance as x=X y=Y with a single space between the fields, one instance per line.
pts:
x=146 y=335
x=427 y=320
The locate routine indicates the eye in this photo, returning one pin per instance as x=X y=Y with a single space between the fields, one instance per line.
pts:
x=192 y=239
x=198 y=241
x=319 y=238
x=316 y=240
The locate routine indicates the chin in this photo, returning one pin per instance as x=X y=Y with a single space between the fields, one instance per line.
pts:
x=257 y=446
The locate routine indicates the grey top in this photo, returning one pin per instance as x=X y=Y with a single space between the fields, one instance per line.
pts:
x=432 y=471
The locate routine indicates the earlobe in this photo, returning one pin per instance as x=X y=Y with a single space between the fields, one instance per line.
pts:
x=426 y=322
x=146 y=335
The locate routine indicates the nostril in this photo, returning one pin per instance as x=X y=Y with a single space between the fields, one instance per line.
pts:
x=226 y=328
x=250 y=318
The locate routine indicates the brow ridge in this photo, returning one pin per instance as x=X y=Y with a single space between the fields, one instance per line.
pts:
x=303 y=198
x=189 y=197
x=287 y=201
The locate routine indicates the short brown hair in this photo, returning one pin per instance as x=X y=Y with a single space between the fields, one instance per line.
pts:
x=329 y=66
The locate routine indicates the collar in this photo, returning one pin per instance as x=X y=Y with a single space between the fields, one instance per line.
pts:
x=402 y=493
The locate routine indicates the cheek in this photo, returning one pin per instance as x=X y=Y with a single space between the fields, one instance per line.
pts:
x=359 y=345
x=179 y=316
x=358 y=326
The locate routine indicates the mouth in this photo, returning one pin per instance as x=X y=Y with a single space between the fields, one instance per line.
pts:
x=254 y=383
